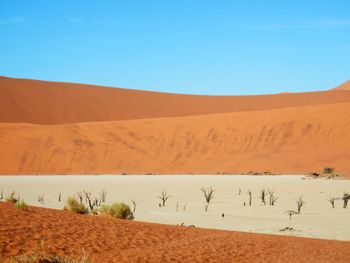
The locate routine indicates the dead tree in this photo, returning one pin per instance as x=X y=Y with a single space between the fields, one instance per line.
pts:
x=59 y=197
x=208 y=194
x=272 y=197
x=332 y=201
x=239 y=191
x=91 y=202
x=103 y=195
x=300 y=203
x=290 y=213
x=164 y=197
x=134 y=205
x=41 y=199
x=2 y=194
x=80 y=196
x=250 y=197
x=346 y=198
x=262 y=196
x=184 y=208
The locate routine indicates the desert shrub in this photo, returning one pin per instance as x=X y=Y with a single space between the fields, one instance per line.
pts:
x=43 y=258
x=75 y=206
x=328 y=170
x=11 y=197
x=94 y=211
x=117 y=210
x=21 y=204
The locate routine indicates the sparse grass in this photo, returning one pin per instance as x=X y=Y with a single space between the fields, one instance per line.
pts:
x=75 y=206
x=11 y=197
x=22 y=205
x=117 y=210
x=43 y=258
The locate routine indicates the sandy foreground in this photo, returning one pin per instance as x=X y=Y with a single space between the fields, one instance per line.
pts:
x=186 y=204
x=113 y=240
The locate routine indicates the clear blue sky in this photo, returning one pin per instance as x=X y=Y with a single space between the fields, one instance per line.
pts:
x=202 y=47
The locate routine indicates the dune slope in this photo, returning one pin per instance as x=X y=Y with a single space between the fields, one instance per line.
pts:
x=42 y=102
x=113 y=240
x=292 y=140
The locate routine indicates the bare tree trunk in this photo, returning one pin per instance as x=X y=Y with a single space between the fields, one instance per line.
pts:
x=250 y=197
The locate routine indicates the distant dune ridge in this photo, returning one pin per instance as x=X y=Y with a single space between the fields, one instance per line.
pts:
x=54 y=128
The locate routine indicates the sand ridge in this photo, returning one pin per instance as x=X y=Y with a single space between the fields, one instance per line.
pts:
x=43 y=102
x=113 y=240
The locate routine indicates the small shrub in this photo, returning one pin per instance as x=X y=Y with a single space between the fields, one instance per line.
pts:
x=328 y=170
x=75 y=206
x=117 y=210
x=41 y=199
x=21 y=205
x=94 y=211
x=43 y=258
x=11 y=197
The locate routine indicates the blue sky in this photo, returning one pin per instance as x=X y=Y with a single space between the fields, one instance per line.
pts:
x=201 y=47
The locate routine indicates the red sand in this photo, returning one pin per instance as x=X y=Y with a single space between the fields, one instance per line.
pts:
x=41 y=102
x=112 y=240
x=292 y=140
x=109 y=130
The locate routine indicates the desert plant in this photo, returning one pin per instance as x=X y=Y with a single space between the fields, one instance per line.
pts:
x=300 y=203
x=272 y=197
x=94 y=211
x=133 y=205
x=164 y=197
x=75 y=206
x=262 y=196
x=46 y=258
x=346 y=198
x=117 y=210
x=250 y=197
x=11 y=197
x=290 y=213
x=328 y=170
x=91 y=201
x=332 y=201
x=22 y=205
x=103 y=195
x=208 y=194
x=80 y=196
x=41 y=199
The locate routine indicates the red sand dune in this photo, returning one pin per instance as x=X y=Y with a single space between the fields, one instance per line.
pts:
x=41 y=102
x=113 y=240
x=300 y=139
x=344 y=86
x=106 y=130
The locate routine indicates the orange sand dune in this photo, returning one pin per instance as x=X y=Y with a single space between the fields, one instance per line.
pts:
x=344 y=86
x=113 y=240
x=41 y=102
x=291 y=140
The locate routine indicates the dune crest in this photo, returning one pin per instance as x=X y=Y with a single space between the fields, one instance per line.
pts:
x=344 y=86
x=43 y=102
